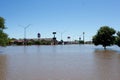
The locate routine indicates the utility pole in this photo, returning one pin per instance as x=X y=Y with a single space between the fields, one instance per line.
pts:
x=62 y=41
x=25 y=27
x=79 y=40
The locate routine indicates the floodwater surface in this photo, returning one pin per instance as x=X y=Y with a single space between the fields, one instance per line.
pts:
x=60 y=62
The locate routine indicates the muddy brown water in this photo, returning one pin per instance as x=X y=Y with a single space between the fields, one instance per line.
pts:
x=67 y=62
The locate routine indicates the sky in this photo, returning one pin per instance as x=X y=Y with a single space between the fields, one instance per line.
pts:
x=66 y=17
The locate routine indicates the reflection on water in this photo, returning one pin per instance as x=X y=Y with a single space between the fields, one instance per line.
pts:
x=65 y=62
x=107 y=64
x=2 y=67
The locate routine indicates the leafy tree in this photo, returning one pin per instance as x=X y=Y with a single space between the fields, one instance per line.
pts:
x=118 y=33
x=3 y=36
x=105 y=36
x=118 y=39
x=2 y=23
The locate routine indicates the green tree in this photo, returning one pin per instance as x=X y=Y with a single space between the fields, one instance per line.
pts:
x=2 y=23
x=105 y=36
x=3 y=36
x=118 y=39
x=118 y=33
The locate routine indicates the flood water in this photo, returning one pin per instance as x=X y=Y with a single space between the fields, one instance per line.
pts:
x=60 y=62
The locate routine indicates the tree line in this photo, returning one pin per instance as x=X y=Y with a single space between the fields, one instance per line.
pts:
x=105 y=36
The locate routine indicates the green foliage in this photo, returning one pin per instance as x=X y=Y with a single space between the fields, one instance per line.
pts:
x=81 y=42
x=117 y=42
x=42 y=42
x=104 y=36
x=29 y=43
x=2 y=23
x=118 y=33
x=37 y=42
x=3 y=36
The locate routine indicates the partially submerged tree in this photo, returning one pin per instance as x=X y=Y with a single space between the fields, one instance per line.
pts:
x=105 y=36
x=3 y=36
x=118 y=39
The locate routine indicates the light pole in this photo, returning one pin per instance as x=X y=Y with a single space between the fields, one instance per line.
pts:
x=54 y=38
x=83 y=37
x=68 y=39
x=62 y=36
x=38 y=35
x=79 y=40
x=25 y=27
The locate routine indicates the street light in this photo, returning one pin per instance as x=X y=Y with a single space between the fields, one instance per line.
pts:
x=83 y=37
x=62 y=37
x=68 y=39
x=54 y=38
x=54 y=33
x=25 y=27
x=38 y=35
